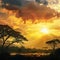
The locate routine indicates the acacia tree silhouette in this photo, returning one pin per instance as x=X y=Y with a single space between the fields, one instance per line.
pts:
x=53 y=43
x=6 y=32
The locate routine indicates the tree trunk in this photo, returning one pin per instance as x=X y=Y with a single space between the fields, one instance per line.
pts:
x=3 y=47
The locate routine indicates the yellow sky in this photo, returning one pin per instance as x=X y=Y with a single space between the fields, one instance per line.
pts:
x=38 y=33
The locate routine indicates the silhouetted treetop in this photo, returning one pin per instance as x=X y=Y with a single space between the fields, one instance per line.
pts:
x=6 y=32
x=53 y=43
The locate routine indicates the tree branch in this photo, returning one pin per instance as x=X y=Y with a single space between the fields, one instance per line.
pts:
x=10 y=44
x=6 y=39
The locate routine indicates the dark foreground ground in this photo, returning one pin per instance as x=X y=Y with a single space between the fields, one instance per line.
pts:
x=21 y=57
x=55 y=56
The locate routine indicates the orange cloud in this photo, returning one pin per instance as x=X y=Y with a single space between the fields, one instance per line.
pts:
x=31 y=11
x=34 y=11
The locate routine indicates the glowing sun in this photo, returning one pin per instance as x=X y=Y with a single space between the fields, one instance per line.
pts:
x=45 y=30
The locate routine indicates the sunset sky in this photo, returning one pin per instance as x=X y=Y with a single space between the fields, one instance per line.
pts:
x=37 y=20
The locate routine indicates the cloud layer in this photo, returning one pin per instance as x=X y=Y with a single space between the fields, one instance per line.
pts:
x=31 y=10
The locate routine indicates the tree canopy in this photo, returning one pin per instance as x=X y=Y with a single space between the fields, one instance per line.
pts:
x=6 y=32
x=53 y=43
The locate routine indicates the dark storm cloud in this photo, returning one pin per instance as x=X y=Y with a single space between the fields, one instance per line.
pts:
x=45 y=2
x=12 y=2
x=22 y=2
x=16 y=2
